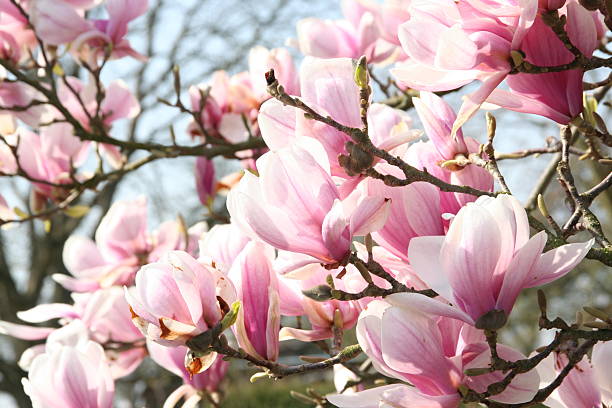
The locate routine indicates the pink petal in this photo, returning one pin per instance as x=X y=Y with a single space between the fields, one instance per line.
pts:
x=557 y=262
x=24 y=332
x=518 y=271
x=472 y=102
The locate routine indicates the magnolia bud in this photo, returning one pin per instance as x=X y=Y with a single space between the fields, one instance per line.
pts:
x=361 y=73
x=319 y=293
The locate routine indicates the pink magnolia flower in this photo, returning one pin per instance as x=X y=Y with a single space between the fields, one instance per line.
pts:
x=122 y=244
x=15 y=95
x=438 y=155
x=258 y=321
x=359 y=34
x=205 y=180
x=582 y=388
x=262 y=60
x=392 y=15
x=415 y=211
x=321 y=315
x=103 y=316
x=73 y=372
x=295 y=206
x=230 y=106
x=555 y=95
x=328 y=86
x=221 y=246
x=487 y=257
x=173 y=360
x=80 y=100
x=16 y=37
x=178 y=298
x=467 y=41
x=397 y=267
x=60 y=22
x=50 y=158
x=430 y=349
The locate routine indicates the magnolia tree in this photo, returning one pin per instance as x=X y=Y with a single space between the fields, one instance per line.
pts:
x=344 y=216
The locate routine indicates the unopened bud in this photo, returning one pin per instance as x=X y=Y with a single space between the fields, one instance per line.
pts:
x=517 y=57
x=600 y=314
x=542 y=206
x=472 y=372
x=258 y=376
x=338 y=320
x=597 y=325
x=361 y=73
x=357 y=161
x=542 y=300
x=319 y=293
x=231 y=316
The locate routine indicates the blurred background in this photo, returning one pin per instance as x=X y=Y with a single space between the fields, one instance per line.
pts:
x=202 y=36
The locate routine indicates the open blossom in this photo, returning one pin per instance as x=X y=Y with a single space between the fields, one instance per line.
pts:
x=466 y=41
x=442 y=154
x=50 y=157
x=103 y=316
x=588 y=385
x=231 y=103
x=258 y=321
x=173 y=360
x=122 y=244
x=321 y=315
x=73 y=372
x=486 y=258
x=430 y=349
x=14 y=95
x=328 y=86
x=118 y=102
x=359 y=34
x=555 y=95
x=16 y=37
x=60 y=22
x=295 y=206
x=178 y=298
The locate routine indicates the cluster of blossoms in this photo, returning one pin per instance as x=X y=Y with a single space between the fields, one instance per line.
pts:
x=318 y=218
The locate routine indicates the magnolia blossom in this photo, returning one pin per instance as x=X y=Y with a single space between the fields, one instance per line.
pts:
x=73 y=372
x=122 y=244
x=588 y=384
x=429 y=349
x=50 y=158
x=487 y=258
x=60 y=22
x=359 y=34
x=18 y=95
x=465 y=41
x=102 y=315
x=16 y=37
x=258 y=321
x=229 y=106
x=444 y=155
x=323 y=316
x=328 y=86
x=222 y=244
x=178 y=298
x=295 y=206
x=555 y=95
x=173 y=360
